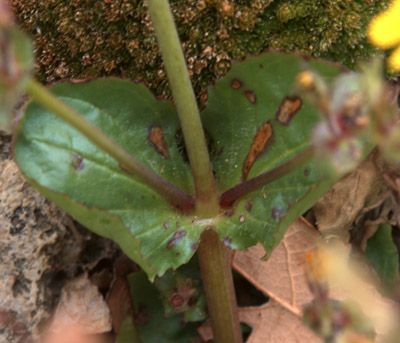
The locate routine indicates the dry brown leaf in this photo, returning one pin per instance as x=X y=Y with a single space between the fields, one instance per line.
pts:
x=283 y=279
x=81 y=307
x=271 y=323
x=337 y=210
x=276 y=324
x=119 y=297
x=74 y=334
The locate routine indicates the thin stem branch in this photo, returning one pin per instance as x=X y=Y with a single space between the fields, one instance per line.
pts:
x=182 y=91
x=216 y=272
x=244 y=188
x=129 y=163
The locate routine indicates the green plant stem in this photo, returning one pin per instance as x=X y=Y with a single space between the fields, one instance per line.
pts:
x=216 y=272
x=129 y=163
x=182 y=91
x=244 y=188
x=215 y=267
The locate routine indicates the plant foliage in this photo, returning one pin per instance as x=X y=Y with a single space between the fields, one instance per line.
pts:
x=254 y=121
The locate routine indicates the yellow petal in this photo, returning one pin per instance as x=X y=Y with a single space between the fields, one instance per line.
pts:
x=394 y=60
x=384 y=30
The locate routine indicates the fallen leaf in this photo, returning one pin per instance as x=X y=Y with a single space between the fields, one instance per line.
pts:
x=81 y=314
x=119 y=297
x=276 y=324
x=392 y=181
x=338 y=209
x=283 y=278
x=73 y=334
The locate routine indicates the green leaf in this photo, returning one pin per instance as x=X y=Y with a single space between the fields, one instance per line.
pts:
x=248 y=96
x=182 y=292
x=382 y=253
x=128 y=332
x=149 y=315
x=94 y=189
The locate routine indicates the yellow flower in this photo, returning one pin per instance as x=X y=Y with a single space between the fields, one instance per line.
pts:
x=384 y=32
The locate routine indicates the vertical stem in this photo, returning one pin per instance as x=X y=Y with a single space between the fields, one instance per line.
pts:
x=182 y=91
x=215 y=266
x=216 y=272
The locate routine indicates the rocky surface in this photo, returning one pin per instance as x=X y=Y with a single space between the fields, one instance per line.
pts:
x=41 y=248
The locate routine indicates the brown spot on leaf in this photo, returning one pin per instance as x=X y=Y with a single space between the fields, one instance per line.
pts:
x=236 y=84
x=166 y=225
x=242 y=218
x=77 y=162
x=288 y=108
x=177 y=236
x=260 y=141
x=177 y=300
x=156 y=139
x=306 y=172
x=178 y=224
x=250 y=95
x=229 y=213
x=261 y=66
x=249 y=205
x=277 y=212
x=193 y=245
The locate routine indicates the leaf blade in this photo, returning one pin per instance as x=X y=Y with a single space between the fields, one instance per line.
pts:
x=85 y=181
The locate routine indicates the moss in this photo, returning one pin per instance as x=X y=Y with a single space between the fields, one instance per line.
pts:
x=86 y=38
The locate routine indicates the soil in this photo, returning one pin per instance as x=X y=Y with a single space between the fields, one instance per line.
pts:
x=41 y=248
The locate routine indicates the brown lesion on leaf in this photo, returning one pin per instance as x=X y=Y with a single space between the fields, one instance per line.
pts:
x=251 y=96
x=177 y=236
x=236 y=84
x=263 y=136
x=156 y=139
x=77 y=161
x=249 y=205
x=289 y=106
x=229 y=213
